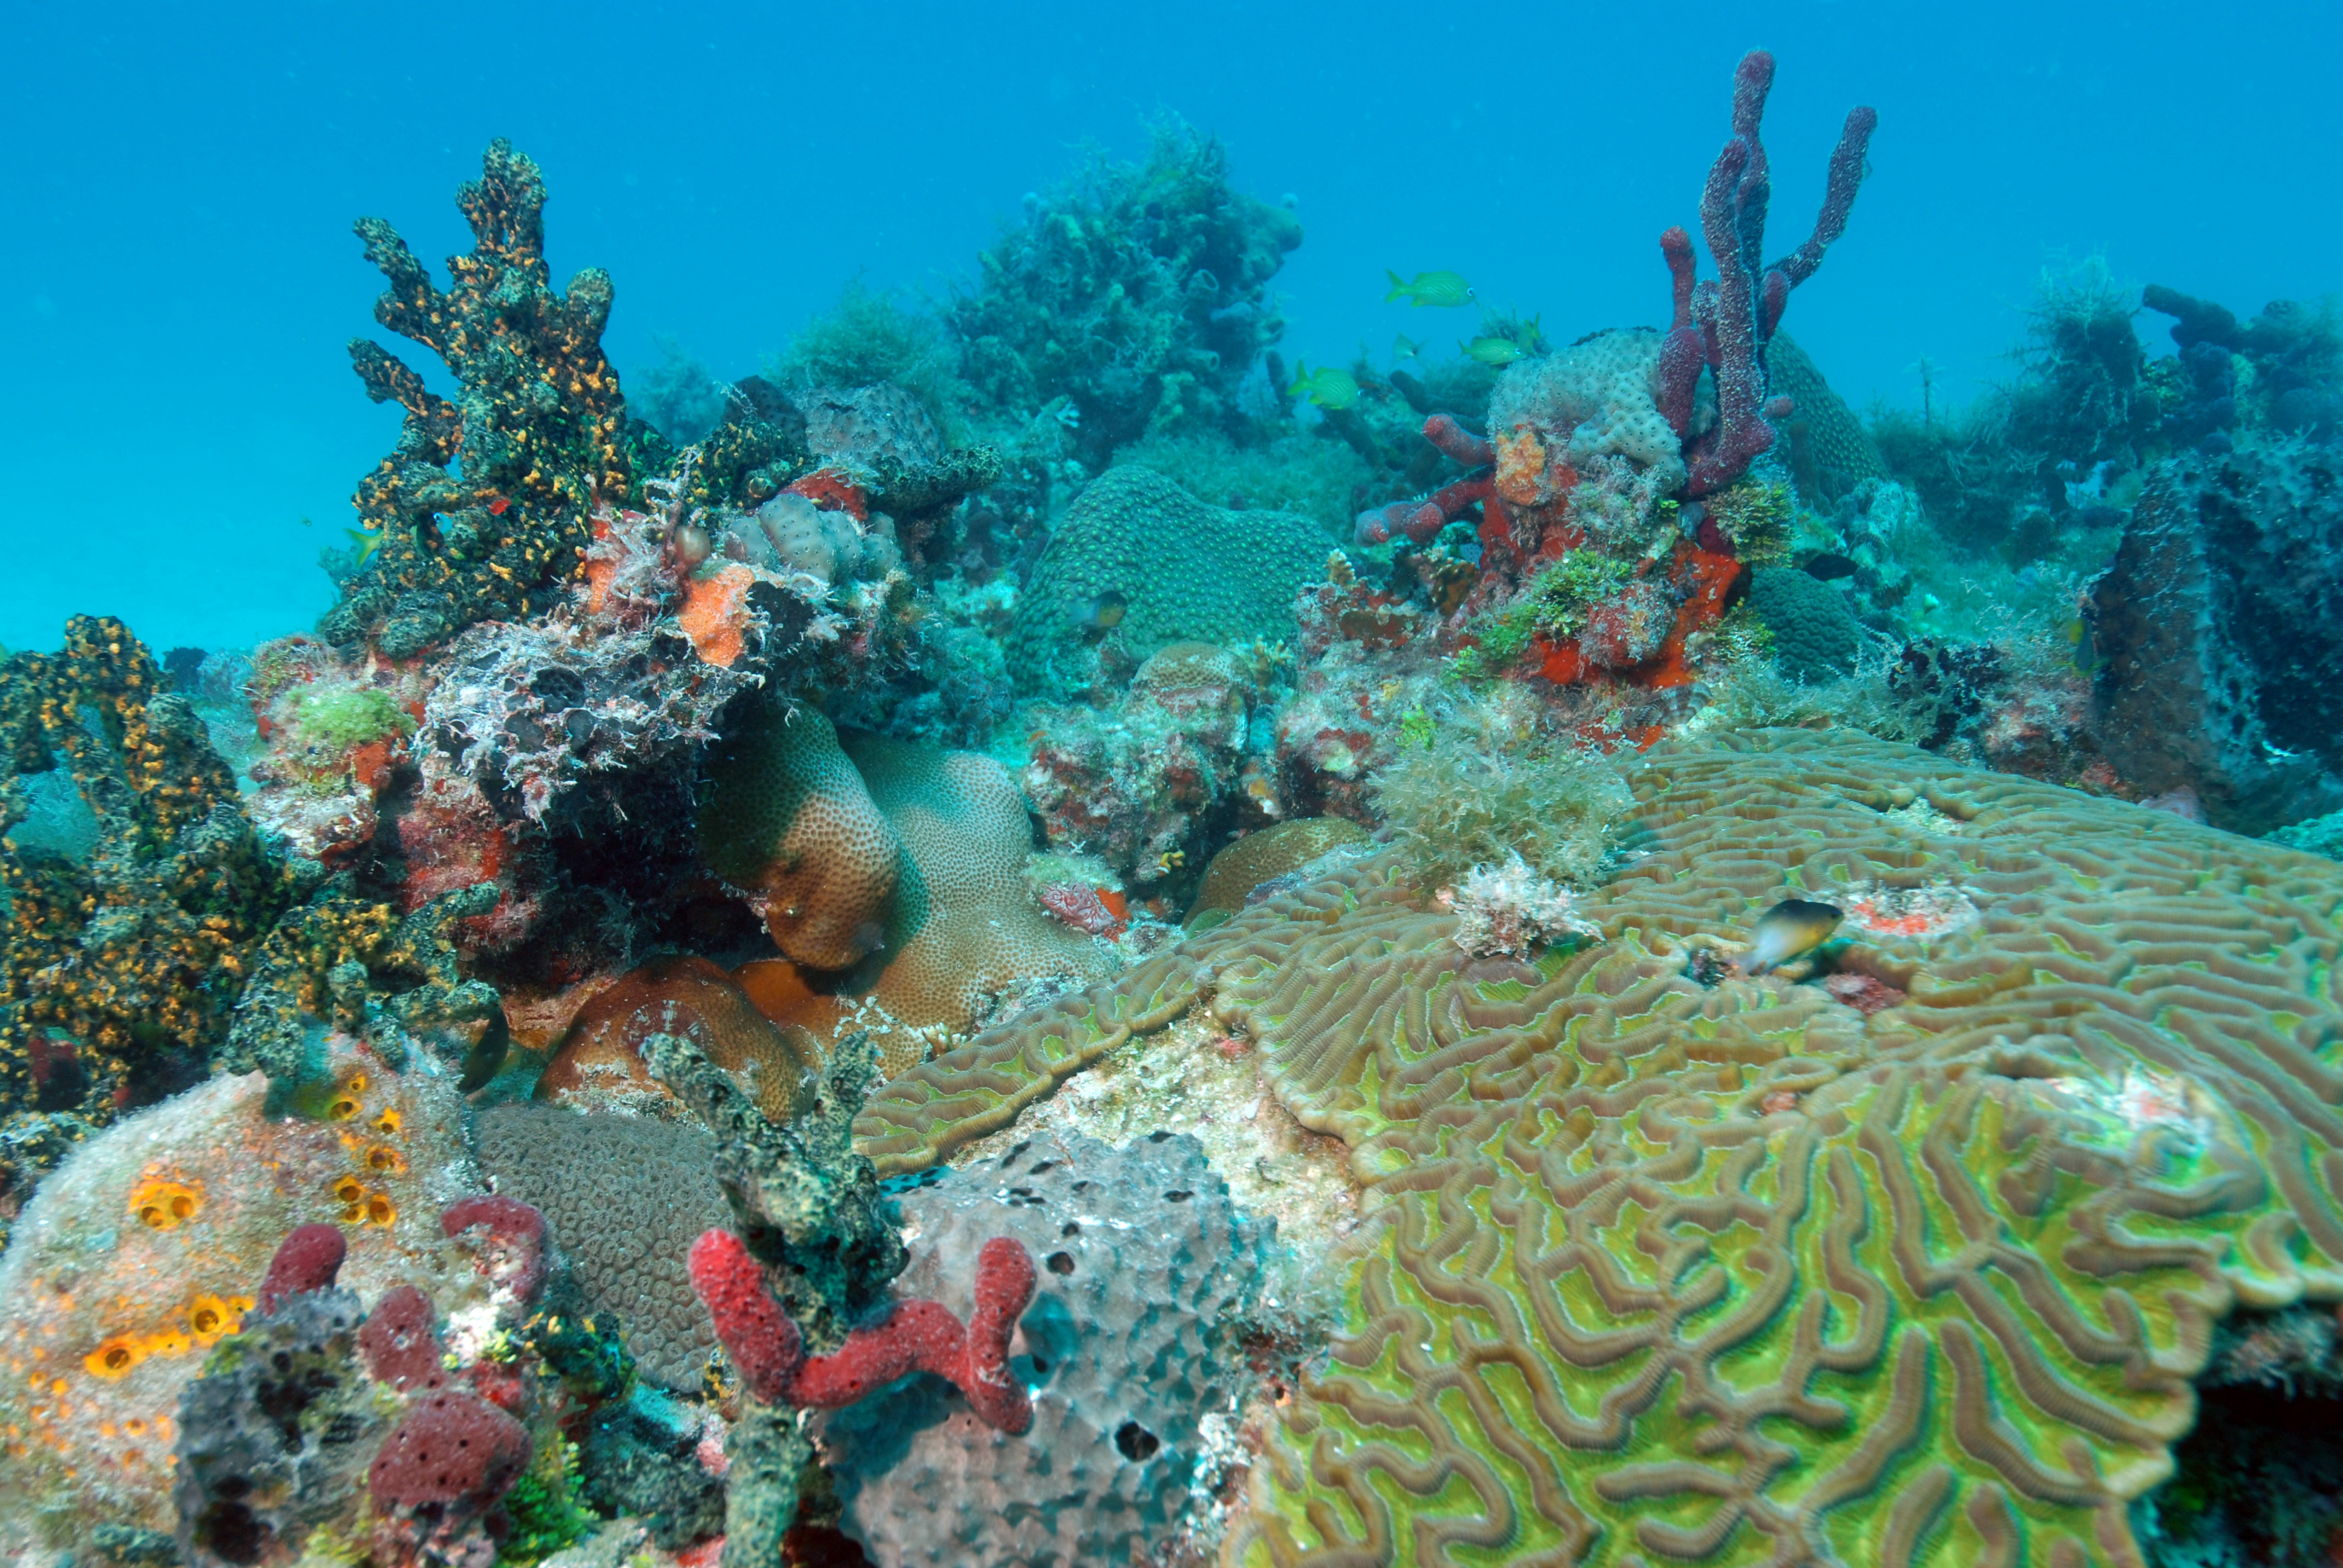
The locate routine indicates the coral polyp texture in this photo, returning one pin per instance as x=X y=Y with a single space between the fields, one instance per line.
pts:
x=789 y=821
x=1181 y=571
x=1667 y=1270
x=482 y=510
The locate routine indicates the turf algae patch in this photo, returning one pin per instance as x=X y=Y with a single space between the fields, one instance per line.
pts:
x=1663 y=1272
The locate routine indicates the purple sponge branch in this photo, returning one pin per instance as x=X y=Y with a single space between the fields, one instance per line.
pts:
x=1736 y=316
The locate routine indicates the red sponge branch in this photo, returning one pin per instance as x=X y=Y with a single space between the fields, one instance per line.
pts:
x=516 y=1255
x=914 y=1336
x=1443 y=432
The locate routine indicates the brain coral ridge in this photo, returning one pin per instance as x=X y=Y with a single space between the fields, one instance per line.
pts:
x=1660 y=1272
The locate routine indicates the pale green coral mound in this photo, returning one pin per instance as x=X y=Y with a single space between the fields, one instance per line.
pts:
x=1488 y=783
x=1296 y=473
x=1186 y=572
x=339 y=718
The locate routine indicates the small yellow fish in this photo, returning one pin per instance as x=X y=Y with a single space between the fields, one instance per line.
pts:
x=1446 y=289
x=1327 y=387
x=1790 y=930
x=1495 y=352
x=1405 y=347
x=2085 y=656
x=1101 y=612
x=366 y=543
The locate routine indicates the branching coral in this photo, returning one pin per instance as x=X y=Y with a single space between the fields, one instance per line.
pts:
x=119 y=974
x=482 y=511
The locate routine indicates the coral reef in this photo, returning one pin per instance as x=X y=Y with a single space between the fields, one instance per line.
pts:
x=484 y=509
x=1135 y=1349
x=1238 y=875
x=149 y=1245
x=1815 y=638
x=1174 y=766
x=624 y=1196
x=1184 y=572
x=598 y=1062
x=1994 y=1200
x=790 y=822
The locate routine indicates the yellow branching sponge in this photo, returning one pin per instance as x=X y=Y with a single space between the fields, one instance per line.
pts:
x=788 y=821
x=963 y=930
x=1666 y=1271
x=149 y=1245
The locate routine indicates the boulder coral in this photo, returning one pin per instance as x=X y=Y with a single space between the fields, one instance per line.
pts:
x=789 y=821
x=1714 y=1272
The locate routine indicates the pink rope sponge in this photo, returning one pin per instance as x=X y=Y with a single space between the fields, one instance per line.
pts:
x=914 y=1336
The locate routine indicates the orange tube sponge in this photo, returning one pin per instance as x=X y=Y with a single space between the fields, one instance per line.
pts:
x=789 y=821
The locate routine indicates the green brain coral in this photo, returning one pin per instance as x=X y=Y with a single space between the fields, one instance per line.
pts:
x=1662 y=1274
x=1187 y=572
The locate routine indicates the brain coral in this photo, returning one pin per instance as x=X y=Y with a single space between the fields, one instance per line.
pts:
x=1600 y=396
x=1263 y=856
x=626 y=1196
x=1815 y=635
x=149 y=1244
x=1668 y=1274
x=1830 y=451
x=789 y=820
x=1188 y=572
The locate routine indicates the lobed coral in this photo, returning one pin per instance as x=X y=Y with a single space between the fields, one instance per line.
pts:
x=119 y=971
x=1696 y=1272
x=483 y=509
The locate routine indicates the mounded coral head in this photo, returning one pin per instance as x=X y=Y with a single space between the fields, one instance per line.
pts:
x=1599 y=397
x=789 y=821
x=1186 y=571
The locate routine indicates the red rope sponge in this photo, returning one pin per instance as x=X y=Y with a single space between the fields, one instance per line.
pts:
x=914 y=1336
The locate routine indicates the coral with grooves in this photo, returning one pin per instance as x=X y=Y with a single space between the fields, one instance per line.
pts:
x=790 y=822
x=1668 y=1270
x=1815 y=636
x=483 y=510
x=1185 y=571
x=625 y=1197
x=1829 y=452
x=119 y=972
x=1237 y=874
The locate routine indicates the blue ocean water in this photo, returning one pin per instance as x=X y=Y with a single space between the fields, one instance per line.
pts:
x=178 y=276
